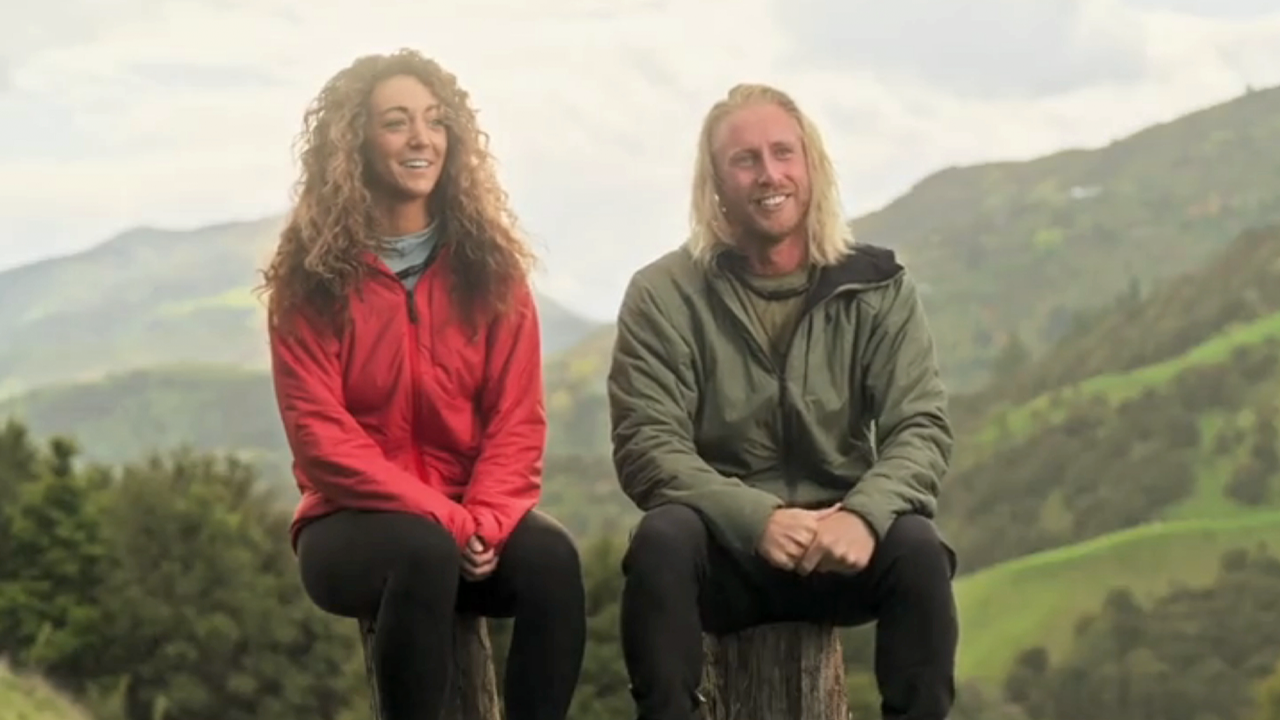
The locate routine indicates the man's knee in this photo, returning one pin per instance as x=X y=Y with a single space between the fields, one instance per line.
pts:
x=667 y=539
x=915 y=540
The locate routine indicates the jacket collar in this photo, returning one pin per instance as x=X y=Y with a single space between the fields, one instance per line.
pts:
x=865 y=266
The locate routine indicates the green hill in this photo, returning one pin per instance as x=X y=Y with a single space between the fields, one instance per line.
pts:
x=1240 y=284
x=1022 y=247
x=1133 y=454
x=125 y=416
x=1035 y=600
x=150 y=298
x=1188 y=433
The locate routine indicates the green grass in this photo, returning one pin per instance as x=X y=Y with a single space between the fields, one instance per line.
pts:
x=1209 y=498
x=27 y=698
x=1120 y=386
x=1035 y=600
x=1022 y=420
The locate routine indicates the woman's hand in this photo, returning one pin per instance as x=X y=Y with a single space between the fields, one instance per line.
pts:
x=478 y=562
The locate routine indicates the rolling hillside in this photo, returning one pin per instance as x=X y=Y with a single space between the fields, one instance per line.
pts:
x=1026 y=602
x=149 y=298
x=1177 y=421
x=1147 y=449
x=1022 y=247
x=128 y=415
x=1236 y=285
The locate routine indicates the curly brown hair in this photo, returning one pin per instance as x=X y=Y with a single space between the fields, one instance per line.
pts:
x=318 y=260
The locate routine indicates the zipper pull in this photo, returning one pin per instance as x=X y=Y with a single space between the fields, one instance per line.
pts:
x=413 y=307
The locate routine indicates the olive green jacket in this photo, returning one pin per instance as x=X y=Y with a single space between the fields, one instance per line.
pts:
x=702 y=417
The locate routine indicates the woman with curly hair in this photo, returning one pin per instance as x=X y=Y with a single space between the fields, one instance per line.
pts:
x=407 y=366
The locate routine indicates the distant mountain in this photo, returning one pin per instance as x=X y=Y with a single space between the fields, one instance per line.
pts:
x=124 y=416
x=153 y=297
x=1022 y=247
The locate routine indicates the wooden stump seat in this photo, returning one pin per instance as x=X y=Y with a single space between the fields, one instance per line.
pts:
x=473 y=694
x=784 y=671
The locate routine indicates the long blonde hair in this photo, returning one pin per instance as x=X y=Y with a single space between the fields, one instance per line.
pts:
x=830 y=238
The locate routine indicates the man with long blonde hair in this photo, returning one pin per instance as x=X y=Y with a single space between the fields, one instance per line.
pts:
x=778 y=415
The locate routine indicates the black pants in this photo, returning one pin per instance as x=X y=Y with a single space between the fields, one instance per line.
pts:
x=405 y=570
x=680 y=583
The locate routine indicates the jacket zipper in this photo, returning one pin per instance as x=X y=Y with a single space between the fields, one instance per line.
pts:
x=412 y=339
x=784 y=451
x=784 y=408
x=780 y=373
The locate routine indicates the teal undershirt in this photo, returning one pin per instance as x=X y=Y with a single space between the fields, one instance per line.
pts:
x=411 y=251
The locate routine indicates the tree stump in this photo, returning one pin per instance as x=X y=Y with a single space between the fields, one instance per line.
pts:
x=473 y=695
x=783 y=671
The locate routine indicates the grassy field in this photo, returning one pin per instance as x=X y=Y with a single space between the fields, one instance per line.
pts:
x=23 y=698
x=1209 y=499
x=1035 y=600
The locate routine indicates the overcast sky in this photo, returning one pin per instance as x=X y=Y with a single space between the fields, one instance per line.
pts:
x=115 y=113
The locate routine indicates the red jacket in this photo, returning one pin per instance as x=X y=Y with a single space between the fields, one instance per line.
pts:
x=405 y=412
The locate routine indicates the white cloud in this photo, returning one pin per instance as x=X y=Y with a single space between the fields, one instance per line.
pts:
x=1060 y=45
x=185 y=113
x=1245 y=9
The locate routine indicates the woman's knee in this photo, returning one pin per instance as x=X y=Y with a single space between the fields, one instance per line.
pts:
x=348 y=558
x=542 y=543
x=422 y=549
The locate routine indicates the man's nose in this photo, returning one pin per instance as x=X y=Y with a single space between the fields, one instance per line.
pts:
x=770 y=172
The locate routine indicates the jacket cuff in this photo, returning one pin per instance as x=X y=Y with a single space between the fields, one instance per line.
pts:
x=487 y=528
x=460 y=525
x=877 y=517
